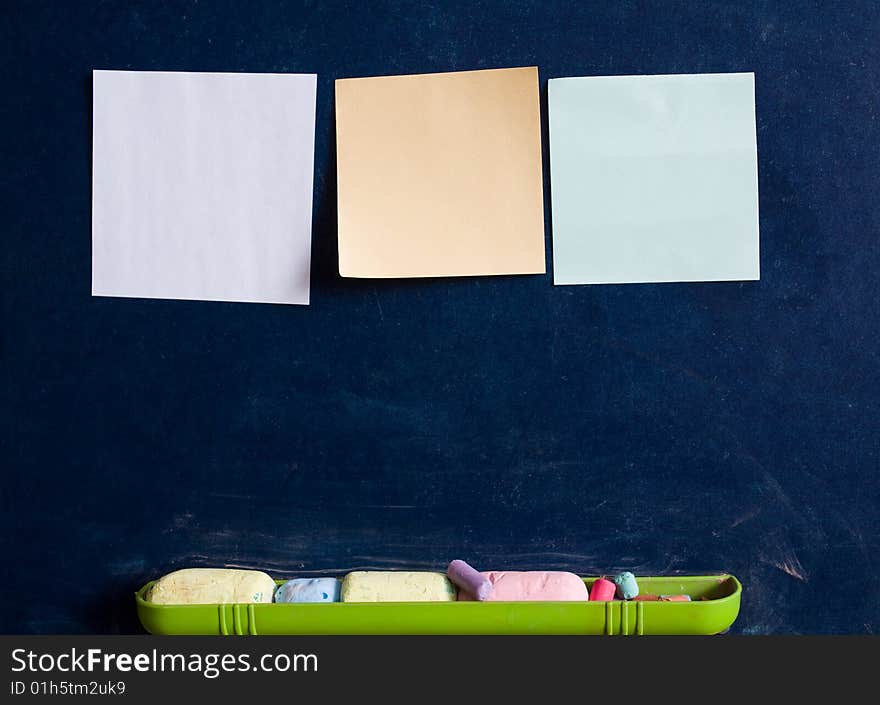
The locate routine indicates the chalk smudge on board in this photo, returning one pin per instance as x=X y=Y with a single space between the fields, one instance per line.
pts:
x=787 y=562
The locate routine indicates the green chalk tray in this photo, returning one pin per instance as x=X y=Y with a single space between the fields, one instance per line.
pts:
x=714 y=607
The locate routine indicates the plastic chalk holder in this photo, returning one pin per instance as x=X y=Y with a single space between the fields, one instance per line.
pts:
x=714 y=607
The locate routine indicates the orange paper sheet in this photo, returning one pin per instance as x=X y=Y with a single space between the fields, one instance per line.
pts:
x=440 y=174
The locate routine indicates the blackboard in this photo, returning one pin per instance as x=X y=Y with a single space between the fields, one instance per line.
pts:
x=658 y=428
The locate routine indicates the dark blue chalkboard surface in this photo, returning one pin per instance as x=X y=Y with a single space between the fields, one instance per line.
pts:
x=658 y=428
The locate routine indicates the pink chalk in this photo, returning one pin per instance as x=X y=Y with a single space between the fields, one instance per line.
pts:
x=470 y=580
x=602 y=591
x=531 y=586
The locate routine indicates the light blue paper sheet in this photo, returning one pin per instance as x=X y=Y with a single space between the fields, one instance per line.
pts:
x=654 y=178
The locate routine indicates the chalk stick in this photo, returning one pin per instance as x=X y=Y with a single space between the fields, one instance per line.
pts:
x=627 y=587
x=205 y=586
x=469 y=580
x=308 y=590
x=397 y=586
x=532 y=586
x=602 y=591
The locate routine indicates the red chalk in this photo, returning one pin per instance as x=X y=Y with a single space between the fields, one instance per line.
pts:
x=602 y=591
x=646 y=598
x=674 y=598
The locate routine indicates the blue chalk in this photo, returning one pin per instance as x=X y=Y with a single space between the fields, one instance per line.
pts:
x=308 y=590
x=627 y=587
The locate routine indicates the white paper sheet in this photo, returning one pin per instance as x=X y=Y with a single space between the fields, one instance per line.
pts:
x=202 y=185
x=654 y=178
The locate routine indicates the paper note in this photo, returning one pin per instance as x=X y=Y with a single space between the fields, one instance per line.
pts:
x=202 y=185
x=440 y=174
x=654 y=178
